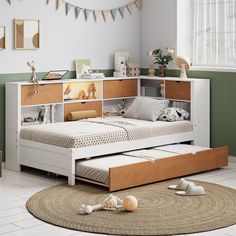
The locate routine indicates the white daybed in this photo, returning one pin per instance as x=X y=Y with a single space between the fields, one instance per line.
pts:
x=56 y=147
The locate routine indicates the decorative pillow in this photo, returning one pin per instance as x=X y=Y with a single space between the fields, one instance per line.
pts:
x=145 y=108
x=174 y=114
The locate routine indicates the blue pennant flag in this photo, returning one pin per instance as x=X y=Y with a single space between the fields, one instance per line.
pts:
x=86 y=13
x=122 y=11
x=113 y=13
x=68 y=7
x=77 y=11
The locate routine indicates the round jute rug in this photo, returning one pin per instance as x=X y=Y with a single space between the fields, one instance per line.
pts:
x=160 y=211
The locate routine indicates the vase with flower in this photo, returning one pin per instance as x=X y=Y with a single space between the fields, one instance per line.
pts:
x=162 y=58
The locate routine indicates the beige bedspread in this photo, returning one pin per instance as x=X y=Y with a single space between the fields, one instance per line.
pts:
x=97 y=131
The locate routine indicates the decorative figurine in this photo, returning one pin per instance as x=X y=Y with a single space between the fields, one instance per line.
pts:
x=82 y=95
x=133 y=69
x=91 y=91
x=120 y=68
x=33 y=77
x=151 y=70
x=162 y=88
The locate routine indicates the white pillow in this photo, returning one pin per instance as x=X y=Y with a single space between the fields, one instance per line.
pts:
x=174 y=114
x=145 y=108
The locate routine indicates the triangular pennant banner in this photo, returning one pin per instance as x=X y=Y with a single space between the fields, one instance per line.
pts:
x=122 y=11
x=86 y=13
x=138 y=4
x=77 y=11
x=105 y=14
x=95 y=15
x=130 y=8
x=59 y=3
x=9 y=1
x=113 y=13
x=68 y=7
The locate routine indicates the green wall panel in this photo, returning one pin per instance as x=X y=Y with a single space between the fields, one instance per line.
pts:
x=223 y=96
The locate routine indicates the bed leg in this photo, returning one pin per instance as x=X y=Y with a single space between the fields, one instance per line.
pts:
x=71 y=172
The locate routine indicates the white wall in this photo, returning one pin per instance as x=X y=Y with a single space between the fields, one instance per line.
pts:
x=64 y=38
x=158 y=27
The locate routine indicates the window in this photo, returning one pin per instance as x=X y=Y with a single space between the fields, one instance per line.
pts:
x=211 y=41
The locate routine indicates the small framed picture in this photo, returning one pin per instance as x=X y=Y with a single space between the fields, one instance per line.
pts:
x=26 y=34
x=81 y=65
x=55 y=74
x=2 y=37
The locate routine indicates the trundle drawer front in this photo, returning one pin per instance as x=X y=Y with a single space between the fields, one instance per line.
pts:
x=178 y=90
x=120 y=88
x=48 y=93
x=162 y=169
x=82 y=106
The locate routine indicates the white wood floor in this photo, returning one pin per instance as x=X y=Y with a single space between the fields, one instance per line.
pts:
x=17 y=187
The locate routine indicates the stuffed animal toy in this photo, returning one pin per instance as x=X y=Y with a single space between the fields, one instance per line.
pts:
x=112 y=202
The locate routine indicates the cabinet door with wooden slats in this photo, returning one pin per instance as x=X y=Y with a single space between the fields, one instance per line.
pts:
x=82 y=106
x=48 y=93
x=180 y=90
x=120 y=88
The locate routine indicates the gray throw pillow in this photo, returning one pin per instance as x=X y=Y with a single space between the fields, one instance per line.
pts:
x=145 y=108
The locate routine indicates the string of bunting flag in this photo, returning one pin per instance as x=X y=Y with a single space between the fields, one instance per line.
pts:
x=104 y=13
x=86 y=11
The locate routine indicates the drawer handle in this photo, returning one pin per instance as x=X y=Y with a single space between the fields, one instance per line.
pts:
x=120 y=79
x=83 y=102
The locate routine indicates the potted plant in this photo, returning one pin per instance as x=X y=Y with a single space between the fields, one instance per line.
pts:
x=162 y=58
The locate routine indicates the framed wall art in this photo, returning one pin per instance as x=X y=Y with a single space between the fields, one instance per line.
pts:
x=2 y=37
x=26 y=34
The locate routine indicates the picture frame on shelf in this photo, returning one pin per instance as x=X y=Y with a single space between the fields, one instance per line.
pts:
x=124 y=56
x=27 y=34
x=55 y=74
x=2 y=37
x=82 y=66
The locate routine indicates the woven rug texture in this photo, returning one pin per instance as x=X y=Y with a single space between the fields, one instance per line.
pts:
x=160 y=211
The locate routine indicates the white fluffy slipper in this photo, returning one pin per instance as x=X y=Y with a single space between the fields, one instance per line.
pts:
x=192 y=190
x=182 y=185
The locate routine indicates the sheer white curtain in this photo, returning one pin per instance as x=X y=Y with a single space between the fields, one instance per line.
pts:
x=214 y=33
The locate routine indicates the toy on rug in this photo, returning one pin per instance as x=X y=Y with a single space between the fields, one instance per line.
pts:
x=130 y=203
x=112 y=203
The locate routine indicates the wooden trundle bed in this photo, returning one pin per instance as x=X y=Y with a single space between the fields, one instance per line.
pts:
x=178 y=160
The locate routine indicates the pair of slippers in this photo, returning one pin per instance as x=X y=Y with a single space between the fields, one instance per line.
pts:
x=187 y=188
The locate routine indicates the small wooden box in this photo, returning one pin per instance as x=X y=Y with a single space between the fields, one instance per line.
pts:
x=49 y=93
x=120 y=88
x=82 y=106
x=178 y=90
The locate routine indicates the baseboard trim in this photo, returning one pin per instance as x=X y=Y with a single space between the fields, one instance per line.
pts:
x=232 y=159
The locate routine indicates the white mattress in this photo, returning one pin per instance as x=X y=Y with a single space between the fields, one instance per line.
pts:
x=100 y=131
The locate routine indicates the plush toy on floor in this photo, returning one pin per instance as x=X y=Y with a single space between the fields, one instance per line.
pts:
x=112 y=202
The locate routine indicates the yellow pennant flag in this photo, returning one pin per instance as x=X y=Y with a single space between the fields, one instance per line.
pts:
x=130 y=8
x=138 y=4
x=59 y=3
x=105 y=14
